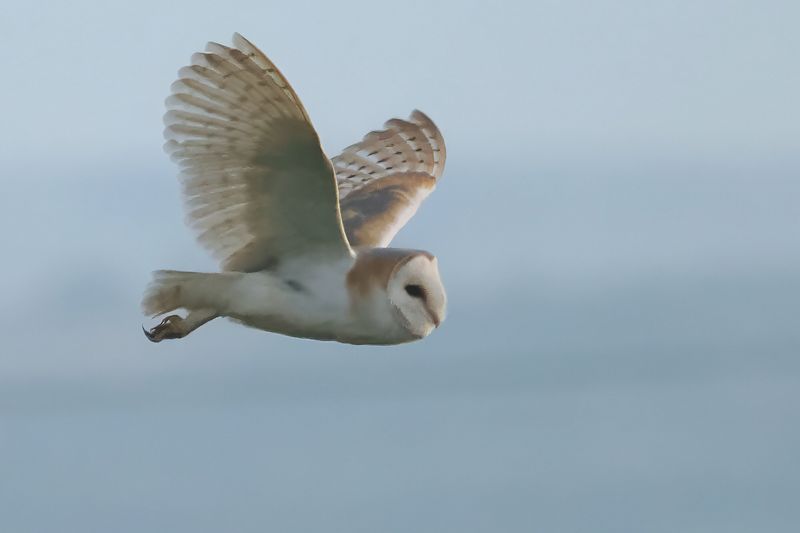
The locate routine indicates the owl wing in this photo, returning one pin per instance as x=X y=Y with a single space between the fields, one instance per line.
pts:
x=384 y=178
x=257 y=185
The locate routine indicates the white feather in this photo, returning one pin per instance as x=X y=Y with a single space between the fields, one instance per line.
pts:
x=264 y=198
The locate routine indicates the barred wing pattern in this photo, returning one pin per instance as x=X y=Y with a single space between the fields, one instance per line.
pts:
x=384 y=178
x=257 y=185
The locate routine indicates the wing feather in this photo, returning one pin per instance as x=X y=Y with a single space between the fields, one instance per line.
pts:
x=384 y=178
x=256 y=182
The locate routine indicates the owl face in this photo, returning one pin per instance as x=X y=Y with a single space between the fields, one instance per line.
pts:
x=417 y=295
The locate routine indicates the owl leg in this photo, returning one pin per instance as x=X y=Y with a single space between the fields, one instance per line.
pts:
x=177 y=327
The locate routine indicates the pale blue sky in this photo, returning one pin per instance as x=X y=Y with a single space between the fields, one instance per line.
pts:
x=617 y=228
x=714 y=77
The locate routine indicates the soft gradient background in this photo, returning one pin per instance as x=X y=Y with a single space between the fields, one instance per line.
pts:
x=618 y=228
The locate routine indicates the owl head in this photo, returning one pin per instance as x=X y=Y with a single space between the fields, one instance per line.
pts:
x=416 y=294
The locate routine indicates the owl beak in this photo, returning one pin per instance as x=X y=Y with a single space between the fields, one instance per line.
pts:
x=435 y=318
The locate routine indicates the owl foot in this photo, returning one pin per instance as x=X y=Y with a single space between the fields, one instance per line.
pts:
x=169 y=328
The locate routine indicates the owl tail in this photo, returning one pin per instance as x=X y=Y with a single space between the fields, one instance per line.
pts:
x=171 y=289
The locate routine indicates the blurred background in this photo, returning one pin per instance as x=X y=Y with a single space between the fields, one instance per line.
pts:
x=617 y=227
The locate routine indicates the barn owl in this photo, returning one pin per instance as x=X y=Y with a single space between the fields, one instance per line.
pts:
x=302 y=239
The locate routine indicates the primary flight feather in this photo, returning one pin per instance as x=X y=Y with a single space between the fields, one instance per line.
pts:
x=301 y=238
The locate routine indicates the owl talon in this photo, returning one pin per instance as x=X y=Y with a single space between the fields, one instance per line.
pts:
x=169 y=328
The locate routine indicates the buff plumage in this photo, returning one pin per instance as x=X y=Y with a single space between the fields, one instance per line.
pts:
x=300 y=237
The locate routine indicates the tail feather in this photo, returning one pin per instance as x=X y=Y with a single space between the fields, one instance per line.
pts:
x=171 y=289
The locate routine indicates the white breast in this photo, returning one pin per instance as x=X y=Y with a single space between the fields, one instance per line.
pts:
x=309 y=299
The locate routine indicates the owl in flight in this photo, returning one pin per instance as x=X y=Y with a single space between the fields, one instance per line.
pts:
x=301 y=238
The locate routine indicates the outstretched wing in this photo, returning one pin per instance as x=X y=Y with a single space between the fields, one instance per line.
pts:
x=257 y=184
x=384 y=178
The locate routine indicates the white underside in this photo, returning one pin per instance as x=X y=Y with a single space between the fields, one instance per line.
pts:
x=308 y=301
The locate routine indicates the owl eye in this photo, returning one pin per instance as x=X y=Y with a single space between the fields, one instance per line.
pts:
x=415 y=291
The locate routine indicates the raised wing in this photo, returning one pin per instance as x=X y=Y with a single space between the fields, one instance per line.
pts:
x=384 y=178
x=257 y=185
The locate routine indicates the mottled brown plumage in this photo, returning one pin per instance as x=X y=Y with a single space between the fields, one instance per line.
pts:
x=384 y=178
